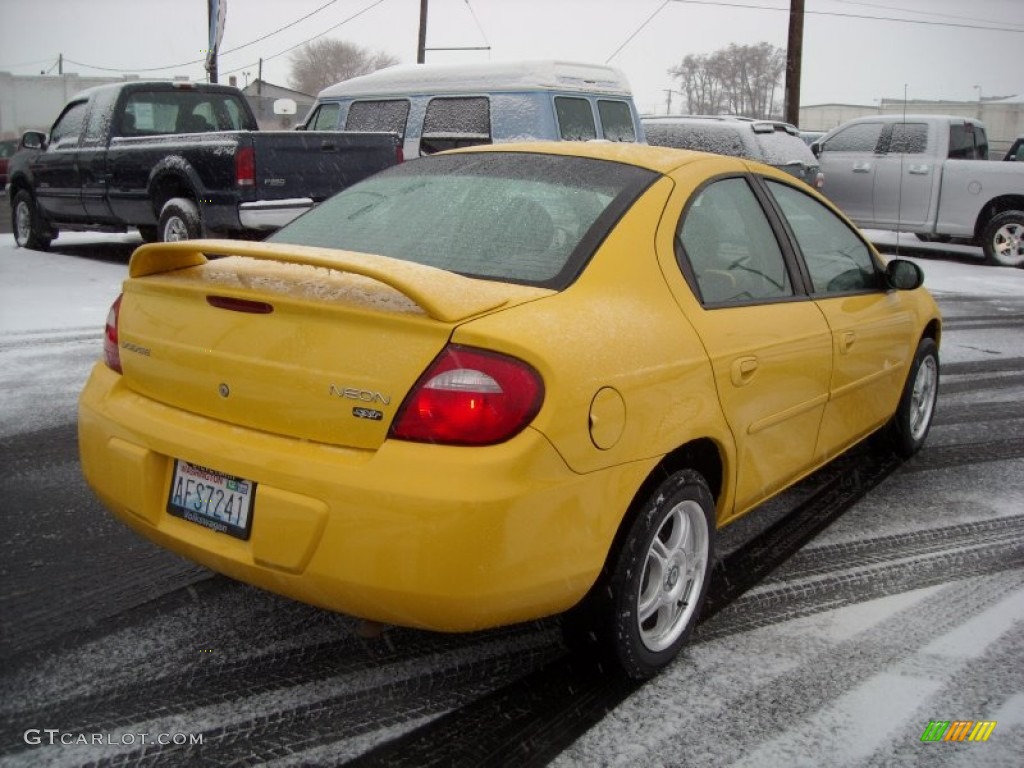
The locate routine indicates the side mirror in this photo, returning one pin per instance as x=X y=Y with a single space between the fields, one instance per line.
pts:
x=904 y=275
x=33 y=140
x=816 y=148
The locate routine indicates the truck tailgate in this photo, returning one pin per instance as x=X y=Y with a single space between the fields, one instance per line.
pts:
x=296 y=164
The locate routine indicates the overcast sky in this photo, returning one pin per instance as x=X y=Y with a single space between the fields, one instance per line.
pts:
x=854 y=50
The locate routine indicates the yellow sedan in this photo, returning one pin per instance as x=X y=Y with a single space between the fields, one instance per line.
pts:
x=505 y=382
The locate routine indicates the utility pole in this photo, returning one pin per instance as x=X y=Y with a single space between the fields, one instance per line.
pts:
x=794 y=60
x=421 y=50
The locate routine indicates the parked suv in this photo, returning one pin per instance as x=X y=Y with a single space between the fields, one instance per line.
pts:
x=768 y=141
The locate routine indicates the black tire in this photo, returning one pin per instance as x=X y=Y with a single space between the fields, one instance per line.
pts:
x=642 y=611
x=149 y=233
x=179 y=220
x=30 y=229
x=907 y=430
x=1002 y=239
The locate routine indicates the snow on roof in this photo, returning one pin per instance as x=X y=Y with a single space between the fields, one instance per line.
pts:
x=484 y=77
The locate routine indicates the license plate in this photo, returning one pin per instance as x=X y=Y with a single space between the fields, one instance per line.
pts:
x=212 y=499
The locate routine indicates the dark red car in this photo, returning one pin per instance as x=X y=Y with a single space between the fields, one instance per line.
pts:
x=7 y=148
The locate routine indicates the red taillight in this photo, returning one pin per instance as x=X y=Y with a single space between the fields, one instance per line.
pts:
x=470 y=397
x=245 y=167
x=111 y=353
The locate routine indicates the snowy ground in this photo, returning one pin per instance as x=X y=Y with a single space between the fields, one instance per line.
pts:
x=851 y=686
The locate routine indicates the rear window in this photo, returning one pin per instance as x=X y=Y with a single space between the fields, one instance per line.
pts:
x=150 y=113
x=513 y=217
x=575 y=119
x=616 y=120
x=720 y=138
x=781 y=148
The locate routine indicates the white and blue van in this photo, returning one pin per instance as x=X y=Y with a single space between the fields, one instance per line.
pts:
x=434 y=107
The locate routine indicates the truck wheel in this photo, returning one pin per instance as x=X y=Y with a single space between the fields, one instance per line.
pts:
x=647 y=602
x=1003 y=239
x=179 y=220
x=30 y=231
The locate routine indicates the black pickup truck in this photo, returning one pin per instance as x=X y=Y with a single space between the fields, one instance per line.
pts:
x=177 y=161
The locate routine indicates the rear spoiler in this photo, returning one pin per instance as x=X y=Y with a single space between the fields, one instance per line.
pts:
x=443 y=295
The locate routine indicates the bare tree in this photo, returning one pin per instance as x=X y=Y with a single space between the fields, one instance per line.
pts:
x=325 y=62
x=738 y=80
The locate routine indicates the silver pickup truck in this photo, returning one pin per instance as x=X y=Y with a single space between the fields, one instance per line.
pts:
x=927 y=175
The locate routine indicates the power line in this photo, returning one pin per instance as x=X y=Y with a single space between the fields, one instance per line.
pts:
x=637 y=31
x=355 y=15
x=914 y=10
x=202 y=60
x=721 y=4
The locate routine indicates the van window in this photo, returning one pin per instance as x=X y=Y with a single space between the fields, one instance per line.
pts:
x=575 y=119
x=453 y=122
x=616 y=120
x=325 y=118
x=387 y=115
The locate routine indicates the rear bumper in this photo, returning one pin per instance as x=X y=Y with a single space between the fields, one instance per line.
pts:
x=272 y=214
x=449 y=539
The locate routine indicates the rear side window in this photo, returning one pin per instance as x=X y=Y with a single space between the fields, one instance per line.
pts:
x=450 y=123
x=908 y=139
x=325 y=118
x=388 y=115
x=512 y=217
x=575 y=119
x=838 y=260
x=860 y=137
x=616 y=120
x=966 y=142
x=731 y=248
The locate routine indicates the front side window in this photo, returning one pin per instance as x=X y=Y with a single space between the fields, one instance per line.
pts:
x=512 y=217
x=616 y=120
x=730 y=246
x=575 y=119
x=68 y=128
x=455 y=122
x=388 y=115
x=837 y=259
x=859 y=137
x=325 y=118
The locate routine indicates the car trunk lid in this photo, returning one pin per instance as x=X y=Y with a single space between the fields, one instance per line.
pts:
x=305 y=342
